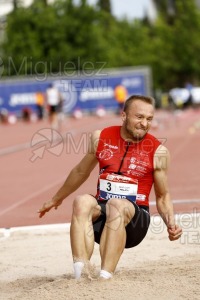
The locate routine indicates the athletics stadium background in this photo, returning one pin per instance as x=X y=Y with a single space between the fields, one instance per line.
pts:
x=80 y=91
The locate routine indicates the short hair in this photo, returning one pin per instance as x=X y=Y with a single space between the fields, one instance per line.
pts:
x=133 y=98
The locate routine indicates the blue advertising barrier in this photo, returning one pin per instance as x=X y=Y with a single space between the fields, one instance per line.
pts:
x=83 y=92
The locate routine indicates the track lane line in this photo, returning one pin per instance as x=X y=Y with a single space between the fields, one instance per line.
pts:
x=27 y=145
x=31 y=196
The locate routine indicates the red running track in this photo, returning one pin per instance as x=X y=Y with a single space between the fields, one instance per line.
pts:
x=26 y=184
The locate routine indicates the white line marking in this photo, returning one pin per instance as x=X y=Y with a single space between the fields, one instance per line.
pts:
x=13 y=149
x=47 y=187
x=20 y=147
x=181 y=201
x=6 y=232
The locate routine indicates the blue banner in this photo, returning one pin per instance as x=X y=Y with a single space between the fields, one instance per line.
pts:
x=85 y=93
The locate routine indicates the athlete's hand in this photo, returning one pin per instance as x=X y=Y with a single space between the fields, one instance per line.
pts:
x=47 y=206
x=175 y=232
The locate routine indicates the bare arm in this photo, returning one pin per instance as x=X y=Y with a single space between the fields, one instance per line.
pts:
x=76 y=177
x=163 y=200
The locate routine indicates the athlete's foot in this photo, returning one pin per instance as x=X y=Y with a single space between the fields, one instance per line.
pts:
x=104 y=275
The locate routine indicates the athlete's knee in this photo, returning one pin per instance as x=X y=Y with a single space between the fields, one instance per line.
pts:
x=83 y=204
x=117 y=204
x=120 y=208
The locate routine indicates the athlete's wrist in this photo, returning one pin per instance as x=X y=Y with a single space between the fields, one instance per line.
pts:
x=56 y=199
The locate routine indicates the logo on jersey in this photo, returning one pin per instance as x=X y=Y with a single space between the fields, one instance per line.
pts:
x=106 y=154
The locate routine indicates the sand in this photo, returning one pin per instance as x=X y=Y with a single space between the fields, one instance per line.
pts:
x=36 y=263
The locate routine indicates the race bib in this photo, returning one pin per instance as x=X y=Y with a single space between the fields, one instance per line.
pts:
x=117 y=186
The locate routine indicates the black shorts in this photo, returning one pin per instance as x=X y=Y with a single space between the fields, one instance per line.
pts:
x=136 y=229
x=53 y=109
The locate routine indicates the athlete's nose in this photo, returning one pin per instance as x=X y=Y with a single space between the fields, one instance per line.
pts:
x=144 y=123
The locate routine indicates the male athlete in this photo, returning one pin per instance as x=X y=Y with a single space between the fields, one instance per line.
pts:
x=130 y=161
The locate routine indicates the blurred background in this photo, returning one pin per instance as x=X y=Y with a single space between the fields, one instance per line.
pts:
x=93 y=54
x=150 y=47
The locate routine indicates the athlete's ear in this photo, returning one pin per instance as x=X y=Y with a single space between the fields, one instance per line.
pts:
x=123 y=116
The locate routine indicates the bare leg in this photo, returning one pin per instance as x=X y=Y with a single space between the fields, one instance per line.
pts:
x=113 y=239
x=54 y=120
x=81 y=232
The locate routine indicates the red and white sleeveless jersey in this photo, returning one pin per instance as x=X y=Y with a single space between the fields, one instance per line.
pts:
x=134 y=160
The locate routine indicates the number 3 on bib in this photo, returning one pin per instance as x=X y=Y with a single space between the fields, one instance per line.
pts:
x=117 y=186
x=108 y=186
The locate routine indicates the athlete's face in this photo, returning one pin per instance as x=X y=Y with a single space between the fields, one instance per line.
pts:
x=137 y=120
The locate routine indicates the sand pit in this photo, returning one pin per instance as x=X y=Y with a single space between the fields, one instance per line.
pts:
x=36 y=263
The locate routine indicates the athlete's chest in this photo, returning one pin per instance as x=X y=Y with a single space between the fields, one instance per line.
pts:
x=124 y=158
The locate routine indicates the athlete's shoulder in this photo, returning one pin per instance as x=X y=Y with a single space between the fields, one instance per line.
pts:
x=162 y=151
x=95 y=136
x=94 y=140
x=161 y=158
